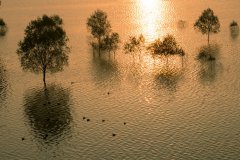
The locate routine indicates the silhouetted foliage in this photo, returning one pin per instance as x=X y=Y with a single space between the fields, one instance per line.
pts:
x=134 y=44
x=3 y=27
x=208 y=53
x=234 y=28
x=166 y=48
x=207 y=23
x=110 y=43
x=48 y=112
x=99 y=26
x=233 y=23
x=44 y=47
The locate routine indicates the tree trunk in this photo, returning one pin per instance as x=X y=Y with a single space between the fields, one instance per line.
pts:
x=208 y=37
x=99 y=48
x=182 y=61
x=44 y=77
x=167 y=61
x=93 y=53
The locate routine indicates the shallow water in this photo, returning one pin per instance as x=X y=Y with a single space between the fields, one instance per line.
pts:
x=192 y=113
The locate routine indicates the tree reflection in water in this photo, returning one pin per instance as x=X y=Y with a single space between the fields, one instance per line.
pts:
x=208 y=72
x=105 y=70
x=48 y=112
x=3 y=83
x=209 y=66
x=234 y=31
x=168 y=78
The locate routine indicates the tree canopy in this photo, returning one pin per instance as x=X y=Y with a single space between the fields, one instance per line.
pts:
x=99 y=26
x=44 y=47
x=233 y=24
x=110 y=42
x=134 y=44
x=166 y=47
x=207 y=23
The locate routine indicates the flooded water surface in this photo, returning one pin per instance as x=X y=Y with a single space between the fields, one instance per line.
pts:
x=123 y=108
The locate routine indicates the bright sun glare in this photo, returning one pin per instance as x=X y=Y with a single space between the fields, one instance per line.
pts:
x=149 y=11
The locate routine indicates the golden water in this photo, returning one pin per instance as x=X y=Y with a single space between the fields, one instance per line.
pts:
x=192 y=113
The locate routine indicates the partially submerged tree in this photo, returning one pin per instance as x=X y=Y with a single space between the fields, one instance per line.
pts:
x=110 y=43
x=44 y=47
x=134 y=45
x=3 y=27
x=167 y=47
x=99 y=26
x=208 y=53
x=208 y=23
x=233 y=24
x=234 y=28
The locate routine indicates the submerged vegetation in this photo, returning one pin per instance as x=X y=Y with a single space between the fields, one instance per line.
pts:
x=101 y=31
x=233 y=24
x=167 y=47
x=134 y=45
x=110 y=43
x=3 y=27
x=208 y=53
x=44 y=47
x=234 y=29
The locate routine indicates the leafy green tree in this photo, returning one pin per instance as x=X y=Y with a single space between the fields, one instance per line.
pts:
x=99 y=26
x=207 y=23
x=3 y=27
x=44 y=47
x=134 y=44
x=167 y=47
x=110 y=43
